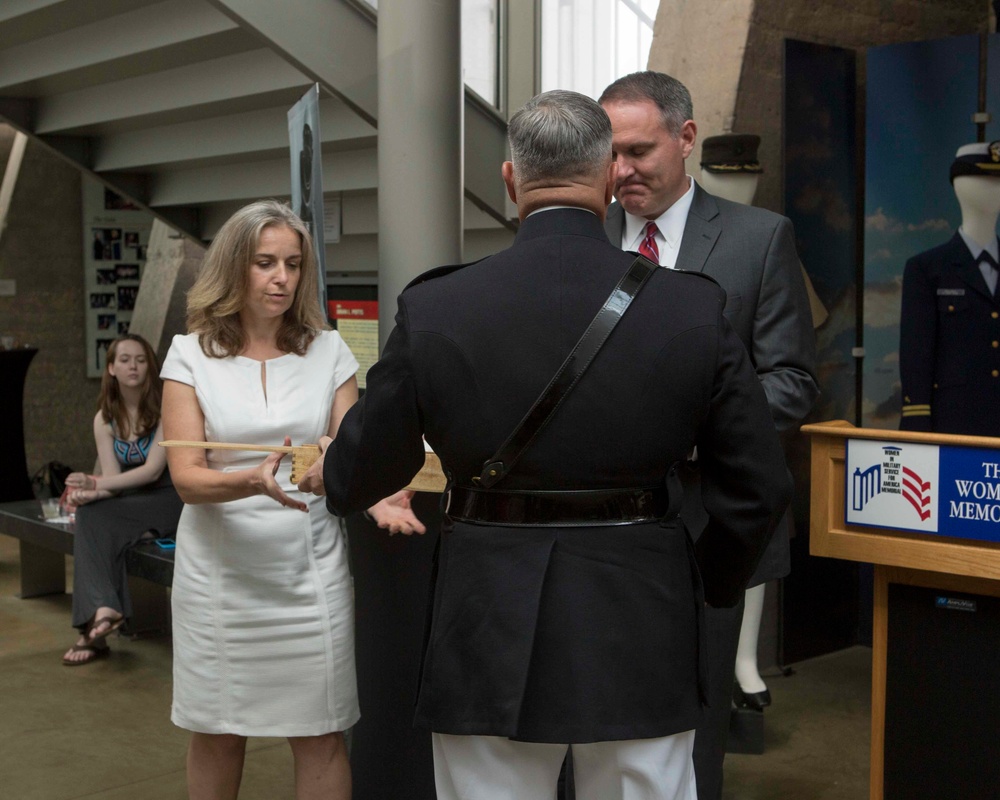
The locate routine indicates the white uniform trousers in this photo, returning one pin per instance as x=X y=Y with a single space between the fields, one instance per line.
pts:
x=495 y=768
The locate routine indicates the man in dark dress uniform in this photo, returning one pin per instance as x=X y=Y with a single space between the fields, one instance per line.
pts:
x=568 y=597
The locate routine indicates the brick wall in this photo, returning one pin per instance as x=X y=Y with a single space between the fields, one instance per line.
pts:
x=41 y=249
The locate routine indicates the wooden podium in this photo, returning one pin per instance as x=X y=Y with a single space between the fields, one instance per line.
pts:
x=914 y=558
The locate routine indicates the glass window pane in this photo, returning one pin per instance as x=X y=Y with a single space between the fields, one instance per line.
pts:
x=587 y=44
x=480 y=46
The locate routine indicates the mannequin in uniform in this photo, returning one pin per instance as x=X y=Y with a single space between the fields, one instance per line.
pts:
x=949 y=347
x=730 y=170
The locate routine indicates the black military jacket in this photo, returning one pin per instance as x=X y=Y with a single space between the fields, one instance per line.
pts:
x=568 y=634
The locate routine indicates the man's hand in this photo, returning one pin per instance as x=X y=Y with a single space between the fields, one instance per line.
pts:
x=394 y=513
x=312 y=481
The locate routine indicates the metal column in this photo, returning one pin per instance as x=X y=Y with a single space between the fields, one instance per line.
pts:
x=420 y=122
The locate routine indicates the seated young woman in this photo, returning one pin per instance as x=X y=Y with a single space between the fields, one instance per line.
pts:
x=132 y=497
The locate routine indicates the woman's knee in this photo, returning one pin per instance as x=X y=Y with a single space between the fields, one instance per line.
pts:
x=327 y=745
x=221 y=745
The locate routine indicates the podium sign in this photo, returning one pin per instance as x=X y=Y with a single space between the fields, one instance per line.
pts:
x=924 y=508
x=937 y=489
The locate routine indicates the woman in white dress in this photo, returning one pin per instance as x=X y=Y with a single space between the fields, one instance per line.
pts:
x=262 y=597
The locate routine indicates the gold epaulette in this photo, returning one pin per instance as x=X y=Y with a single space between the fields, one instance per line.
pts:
x=917 y=410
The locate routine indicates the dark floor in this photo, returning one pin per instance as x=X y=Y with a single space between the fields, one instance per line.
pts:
x=817 y=734
x=103 y=731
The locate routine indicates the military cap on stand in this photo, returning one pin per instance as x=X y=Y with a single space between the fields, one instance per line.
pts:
x=979 y=158
x=731 y=152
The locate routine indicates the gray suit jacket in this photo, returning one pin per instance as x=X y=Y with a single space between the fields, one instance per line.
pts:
x=750 y=252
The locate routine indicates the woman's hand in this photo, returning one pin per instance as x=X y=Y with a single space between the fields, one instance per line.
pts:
x=80 y=497
x=266 y=484
x=81 y=480
x=394 y=512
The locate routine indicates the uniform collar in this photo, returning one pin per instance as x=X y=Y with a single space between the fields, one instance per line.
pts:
x=561 y=220
x=977 y=249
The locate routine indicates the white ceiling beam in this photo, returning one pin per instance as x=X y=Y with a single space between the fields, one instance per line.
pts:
x=334 y=42
x=11 y=171
x=220 y=80
x=331 y=41
x=342 y=171
x=251 y=132
x=24 y=20
x=134 y=33
x=12 y=9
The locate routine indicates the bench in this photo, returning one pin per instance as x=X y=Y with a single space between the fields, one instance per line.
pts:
x=44 y=546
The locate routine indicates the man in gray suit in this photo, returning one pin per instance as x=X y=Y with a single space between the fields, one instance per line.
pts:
x=663 y=213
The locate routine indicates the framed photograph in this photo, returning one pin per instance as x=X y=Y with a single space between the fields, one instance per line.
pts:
x=113 y=244
x=114 y=231
x=106 y=244
x=126 y=297
x=102 y=300
x=127 y=272
x=100 y=349
x=97 y=245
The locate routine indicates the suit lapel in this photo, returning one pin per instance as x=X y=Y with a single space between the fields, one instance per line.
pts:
x=614 y=223
x=968 y=267
x=701 y=232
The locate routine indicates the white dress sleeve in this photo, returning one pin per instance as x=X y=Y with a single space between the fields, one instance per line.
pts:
x=178 y=365
x=344 y=363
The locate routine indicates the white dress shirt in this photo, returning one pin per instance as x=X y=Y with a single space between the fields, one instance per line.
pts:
x=671 y=228
x=988 y=270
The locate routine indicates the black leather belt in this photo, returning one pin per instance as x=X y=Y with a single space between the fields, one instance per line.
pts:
x=559 y=508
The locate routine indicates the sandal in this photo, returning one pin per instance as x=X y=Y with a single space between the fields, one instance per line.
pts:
x=114 y=623
x=96 y=653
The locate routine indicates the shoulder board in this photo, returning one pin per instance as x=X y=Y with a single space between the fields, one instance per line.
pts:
x=439 y=272
x=697 y=274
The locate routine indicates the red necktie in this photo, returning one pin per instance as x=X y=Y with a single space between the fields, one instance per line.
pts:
x=647 y=247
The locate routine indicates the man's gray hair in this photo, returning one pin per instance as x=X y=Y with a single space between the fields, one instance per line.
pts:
x=559 y=134
x=669 y=94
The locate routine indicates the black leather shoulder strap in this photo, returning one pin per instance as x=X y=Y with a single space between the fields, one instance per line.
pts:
x=569 y=374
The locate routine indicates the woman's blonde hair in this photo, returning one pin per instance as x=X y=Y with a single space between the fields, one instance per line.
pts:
x=110 y=402
x=220 y=292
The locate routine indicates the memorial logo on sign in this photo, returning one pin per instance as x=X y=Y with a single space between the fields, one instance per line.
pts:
x=892 y=485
